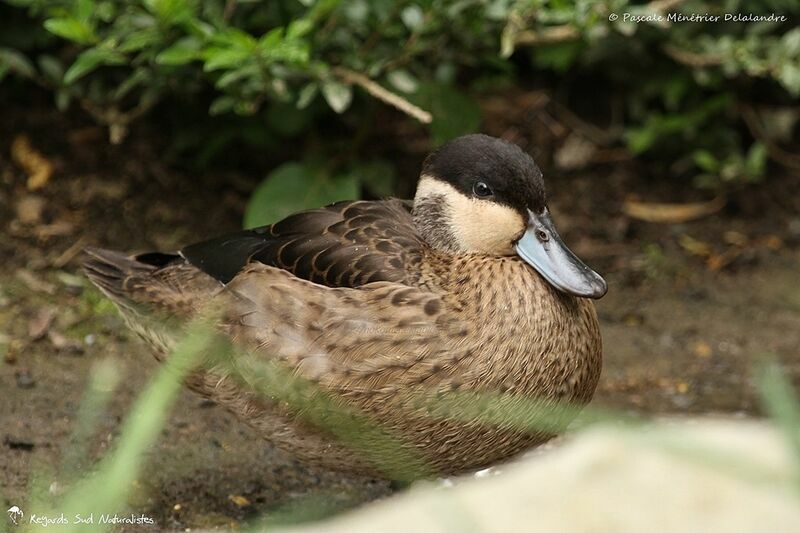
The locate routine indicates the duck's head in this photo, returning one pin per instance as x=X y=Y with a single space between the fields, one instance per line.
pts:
x=479 y=194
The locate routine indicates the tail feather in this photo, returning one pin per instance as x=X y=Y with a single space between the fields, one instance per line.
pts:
x=114 y=273
x=151 y=282
x=156 y=293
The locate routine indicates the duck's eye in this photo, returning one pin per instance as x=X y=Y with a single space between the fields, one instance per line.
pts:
x=481 y=190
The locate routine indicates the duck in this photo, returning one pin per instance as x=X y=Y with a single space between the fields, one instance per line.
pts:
x=383 y=308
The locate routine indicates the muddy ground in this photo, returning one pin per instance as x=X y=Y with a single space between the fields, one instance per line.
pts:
x=692 y=309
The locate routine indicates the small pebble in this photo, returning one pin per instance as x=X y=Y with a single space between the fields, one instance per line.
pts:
x=682 y=401
x=25 y=380
x=64 y=344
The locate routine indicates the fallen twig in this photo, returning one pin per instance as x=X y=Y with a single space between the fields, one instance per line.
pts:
x=692 y=59
x=70 y=253
x=671 y=213
x=549 y=35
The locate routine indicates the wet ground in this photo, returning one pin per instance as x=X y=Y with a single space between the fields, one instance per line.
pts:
x=692 y=309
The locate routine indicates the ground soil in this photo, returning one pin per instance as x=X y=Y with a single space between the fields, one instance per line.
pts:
x=692 y=310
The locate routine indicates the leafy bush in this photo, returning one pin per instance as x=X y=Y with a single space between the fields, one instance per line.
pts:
x=669 y=91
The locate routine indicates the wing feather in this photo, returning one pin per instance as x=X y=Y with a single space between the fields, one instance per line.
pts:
x=347 y=244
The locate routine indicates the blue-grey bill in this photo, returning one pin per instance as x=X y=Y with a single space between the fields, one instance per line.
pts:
x=542 y=248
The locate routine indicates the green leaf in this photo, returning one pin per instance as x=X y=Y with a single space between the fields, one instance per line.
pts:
x=294 y=187
x=403 y=81
x=224 y=58
x=104 y=10
x=558 y=56
x=299 y=28
x=454 y=113
x=181 y=52
x=274 y=47
x=62 y=99
x=413 y=17
x=16 y=62
x=221 y=104
x=140 y=76
x=71 y=29
x=141 y=39
x=356 y=11
x=756 y=161
x=781 y=402
x=789 y=76
x=230 y=50
x=287 y=120
x=51 y=68
x=83 y=10
x=791 y=42
x=90 y=60
x=199 y=28
x=640 y=139
x=658 y=126
x=235 y=76
x=307 y=95
x=338 y=95
x=706 y=161
x=378 y=176
x=170 y=11
x=234 y=38
x=271 y=39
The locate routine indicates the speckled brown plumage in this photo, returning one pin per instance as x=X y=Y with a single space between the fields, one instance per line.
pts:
x=353 y=298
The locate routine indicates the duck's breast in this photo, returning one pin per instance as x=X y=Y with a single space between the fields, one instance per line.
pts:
x=532 y=339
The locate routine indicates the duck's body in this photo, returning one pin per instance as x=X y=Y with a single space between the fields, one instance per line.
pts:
x=376 y=303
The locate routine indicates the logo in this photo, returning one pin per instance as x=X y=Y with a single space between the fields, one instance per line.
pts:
x=15 y=513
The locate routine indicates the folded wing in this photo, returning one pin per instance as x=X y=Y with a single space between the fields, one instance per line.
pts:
x=347 y=244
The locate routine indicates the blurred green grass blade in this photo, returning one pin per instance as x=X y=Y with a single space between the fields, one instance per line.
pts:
x=103 y=381
x=781 y=403
x=104 y=378
x=388 y=453
x=519 y=412
x=311 y=508
x=105 y=491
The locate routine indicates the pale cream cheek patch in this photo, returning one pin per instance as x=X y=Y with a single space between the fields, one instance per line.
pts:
x=478 y=225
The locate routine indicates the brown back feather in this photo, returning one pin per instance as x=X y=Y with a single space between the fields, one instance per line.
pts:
x=346 y=244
